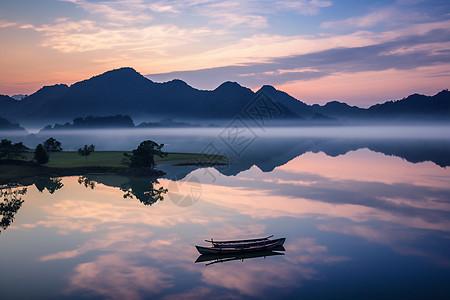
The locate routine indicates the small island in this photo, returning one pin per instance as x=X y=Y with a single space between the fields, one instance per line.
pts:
x=18 y=162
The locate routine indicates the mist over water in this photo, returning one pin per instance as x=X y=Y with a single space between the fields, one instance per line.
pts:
x=196 y=138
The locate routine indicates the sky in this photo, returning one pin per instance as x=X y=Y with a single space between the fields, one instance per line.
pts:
x=360 y=52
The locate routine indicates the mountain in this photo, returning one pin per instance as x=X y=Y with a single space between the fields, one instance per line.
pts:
x=37 y=103
x=166 y=123
x=126 y=92
x=6 y=125
x=338 y=110
x=7 y=103
x=415 y=107
x=117 y=121
x=292 y=104
x=19 y=97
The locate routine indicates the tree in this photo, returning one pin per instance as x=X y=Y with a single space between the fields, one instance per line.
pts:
x=86 y=151
x=41 y=155
x=8 y=150
x=10 y=206
x=144 y=155
x=143 y=189
x=52 y=145
x=52 y=184
x=88 y=183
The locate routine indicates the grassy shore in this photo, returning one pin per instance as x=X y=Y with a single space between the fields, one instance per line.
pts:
x=70 y=163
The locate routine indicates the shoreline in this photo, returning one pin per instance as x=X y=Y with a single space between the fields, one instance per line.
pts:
x=69 y=163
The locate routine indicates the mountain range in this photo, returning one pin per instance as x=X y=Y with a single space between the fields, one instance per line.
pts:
x=125 y=91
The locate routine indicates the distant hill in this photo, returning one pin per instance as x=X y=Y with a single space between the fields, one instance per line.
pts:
x=7 y=104
x=338 y=110
x=292 y=104
x=415 y=107
x=166 y=123
x=19 y=97
x=6 y=125
x=126 y=92
x=117 y=121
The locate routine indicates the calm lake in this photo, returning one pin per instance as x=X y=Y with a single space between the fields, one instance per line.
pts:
x=365 y=213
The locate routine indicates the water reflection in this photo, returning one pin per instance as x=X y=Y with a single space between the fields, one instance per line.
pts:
x=143 y=189
x=221 y=258
x=12 y=202
x=360 y=219
x=51 y=184
x=88 y=183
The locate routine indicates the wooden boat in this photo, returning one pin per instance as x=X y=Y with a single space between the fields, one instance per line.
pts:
x=239 y=246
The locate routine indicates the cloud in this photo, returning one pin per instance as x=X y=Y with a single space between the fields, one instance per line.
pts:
x=5 y=24
x=87 y=35
x=117 y=276
x=368 y=20
x=399 y=13
x=401 y=53
x=122 y=11
x=405 y=204
x=303 y=7
x=162 y=7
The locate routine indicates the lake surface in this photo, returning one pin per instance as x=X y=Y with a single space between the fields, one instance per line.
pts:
x=365 y=217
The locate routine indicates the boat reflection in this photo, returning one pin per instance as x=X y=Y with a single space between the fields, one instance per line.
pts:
x=227 y=257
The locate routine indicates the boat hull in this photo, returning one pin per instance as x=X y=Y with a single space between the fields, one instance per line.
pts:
x=241 y=248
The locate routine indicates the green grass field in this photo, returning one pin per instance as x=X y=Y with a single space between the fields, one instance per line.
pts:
x=67 y=160
x=71 y=159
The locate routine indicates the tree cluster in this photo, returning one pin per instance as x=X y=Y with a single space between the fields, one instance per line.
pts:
x=143 y=157
x=10 y=151
x=86 y=150
x=52 y=145
x=42 y=151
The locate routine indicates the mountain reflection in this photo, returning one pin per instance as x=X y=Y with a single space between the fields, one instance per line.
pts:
x=12 y=202
x=269 y=153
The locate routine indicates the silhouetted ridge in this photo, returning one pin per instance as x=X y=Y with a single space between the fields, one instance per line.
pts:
x=118 y=121
x=46 y=93
x=337 y=109
x=296 y=106
x=415 y=105
x=125 y=91
x=7 y=125
x=229 y=85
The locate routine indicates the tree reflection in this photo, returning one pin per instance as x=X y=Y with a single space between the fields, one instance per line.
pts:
x=52 y=184
x=12 y=202
x=142 y=188
x=88 y=183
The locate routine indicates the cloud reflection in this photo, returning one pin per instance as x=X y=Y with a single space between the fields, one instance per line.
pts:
x=133 y=251
x=117 y=277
